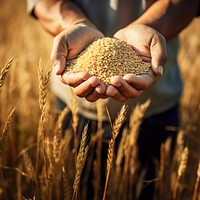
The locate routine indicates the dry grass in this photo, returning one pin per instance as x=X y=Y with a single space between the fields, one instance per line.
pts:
x=38 y=162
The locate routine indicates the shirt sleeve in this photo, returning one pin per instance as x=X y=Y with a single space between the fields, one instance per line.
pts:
x=30 y=7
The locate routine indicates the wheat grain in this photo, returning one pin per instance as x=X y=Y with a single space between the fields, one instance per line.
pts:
x=107 y=57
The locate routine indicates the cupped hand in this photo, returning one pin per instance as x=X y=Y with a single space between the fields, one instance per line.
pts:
x=67 y=45
x=85 y=85
x=70 y=42
x=130 y=86
x=151 y=46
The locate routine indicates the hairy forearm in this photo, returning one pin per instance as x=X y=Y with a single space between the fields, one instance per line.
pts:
x=55 y=16
x=169 y=17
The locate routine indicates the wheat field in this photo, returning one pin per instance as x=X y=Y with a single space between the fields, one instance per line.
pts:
x=37 y=162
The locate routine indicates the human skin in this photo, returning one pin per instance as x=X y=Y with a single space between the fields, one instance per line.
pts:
x=163 y=20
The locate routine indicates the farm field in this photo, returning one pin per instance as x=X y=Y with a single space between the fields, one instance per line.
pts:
x=34 y=158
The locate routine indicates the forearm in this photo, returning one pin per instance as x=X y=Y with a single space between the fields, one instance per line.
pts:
x=55 y=16
x=169 y=17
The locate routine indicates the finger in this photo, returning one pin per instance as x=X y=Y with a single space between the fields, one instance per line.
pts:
x=158 y=53
x=59 y=54
x=74 y=79
x=125 y=88
x=101 y=88
x=112 y=92
x=62 y=79
x=86 y=87
x=93 y=96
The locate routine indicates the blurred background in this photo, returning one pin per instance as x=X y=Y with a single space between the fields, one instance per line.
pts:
x=24 y=40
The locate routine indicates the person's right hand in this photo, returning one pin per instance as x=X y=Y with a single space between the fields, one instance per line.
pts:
x=67 y=45
x=70 y=42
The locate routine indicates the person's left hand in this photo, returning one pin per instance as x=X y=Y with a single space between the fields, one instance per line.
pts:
x=151 y=46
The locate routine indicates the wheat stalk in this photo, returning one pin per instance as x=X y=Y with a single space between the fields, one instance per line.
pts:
x=43 y=82
x=66 y=185
x=120 y=152
x=19 y=186
x=130 y=162
x=5 y=132
x=74 y=113
x=115 y=131
x=3 y=73
x=98 y=139
x=80 y=161
x=52 y=167
x=74 y=110
x=161 y=170
x=195 y=193
x=28 y=165
x=118 y=162
x=58 y=135
x=181 y=170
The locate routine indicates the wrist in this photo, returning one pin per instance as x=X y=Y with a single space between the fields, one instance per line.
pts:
x=79 y=22
x=58 y=16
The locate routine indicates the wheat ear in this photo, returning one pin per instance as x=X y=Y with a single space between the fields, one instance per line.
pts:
x=80 y=161
x=3 y=137
x=43 y=83
x=4 y=134
x=66 y=185
x=130 y=163
x=3 y=73
x=115 y=131
x=58 y=135
x=28 y=165
x=181 y=170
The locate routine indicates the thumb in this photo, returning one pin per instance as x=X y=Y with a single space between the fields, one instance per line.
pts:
x=158 y=53
x=59 y=54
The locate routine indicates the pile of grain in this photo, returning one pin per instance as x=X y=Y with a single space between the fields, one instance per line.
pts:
x=108 y=57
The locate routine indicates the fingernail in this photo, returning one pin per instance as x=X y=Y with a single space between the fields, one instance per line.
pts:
x=160 y=69
x=117 y=84
x=56 y=68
